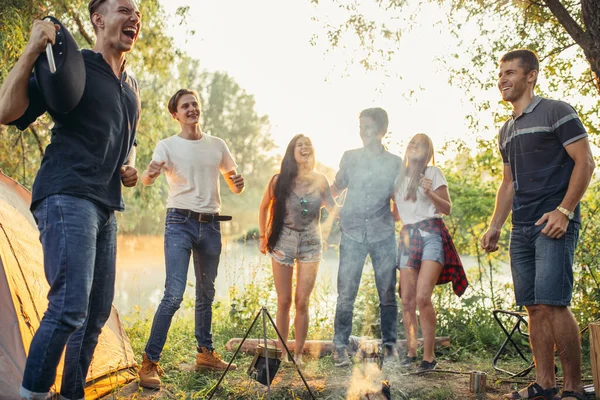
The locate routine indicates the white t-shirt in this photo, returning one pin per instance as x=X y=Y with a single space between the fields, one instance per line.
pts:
x=423 y=208
x=192 y=169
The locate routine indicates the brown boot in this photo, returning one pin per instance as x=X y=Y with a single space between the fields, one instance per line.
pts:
x=211 y=360
x=150 y=374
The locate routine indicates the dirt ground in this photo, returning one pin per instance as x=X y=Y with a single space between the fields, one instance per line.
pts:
x=450 y=381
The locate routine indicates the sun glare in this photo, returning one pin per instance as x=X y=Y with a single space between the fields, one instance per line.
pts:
x=265 y=46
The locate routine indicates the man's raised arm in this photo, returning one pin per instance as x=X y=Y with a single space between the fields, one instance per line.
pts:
x=14 y=94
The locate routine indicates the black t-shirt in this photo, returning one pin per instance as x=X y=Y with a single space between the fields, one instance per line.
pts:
x=90 y=143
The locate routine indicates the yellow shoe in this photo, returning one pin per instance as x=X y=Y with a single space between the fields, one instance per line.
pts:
x=210 y=360
x=150 y=374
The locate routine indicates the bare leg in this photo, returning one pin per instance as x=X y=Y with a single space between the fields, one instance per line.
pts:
x=282 y=274
x=428 y=276
x=550 y=325
x=408 y=291
x=306 y=276
x=568 y=345
x=542 y=344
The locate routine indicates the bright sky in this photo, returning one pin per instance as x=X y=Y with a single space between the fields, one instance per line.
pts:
x=265 y=46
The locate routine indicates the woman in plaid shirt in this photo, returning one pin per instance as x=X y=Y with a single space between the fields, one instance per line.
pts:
x=426 y=254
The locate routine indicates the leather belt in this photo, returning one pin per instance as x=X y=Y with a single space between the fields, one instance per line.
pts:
x=201 y=217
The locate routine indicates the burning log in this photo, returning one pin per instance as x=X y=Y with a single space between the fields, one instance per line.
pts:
x=318 y=348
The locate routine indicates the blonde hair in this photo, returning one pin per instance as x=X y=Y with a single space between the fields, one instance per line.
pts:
x=416 y=170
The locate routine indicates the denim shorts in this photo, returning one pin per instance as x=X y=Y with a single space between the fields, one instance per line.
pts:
x=433 y=250
x=542 y=268
x=304 y=247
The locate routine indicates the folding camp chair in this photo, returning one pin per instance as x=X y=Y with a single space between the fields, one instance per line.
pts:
x=519 y=326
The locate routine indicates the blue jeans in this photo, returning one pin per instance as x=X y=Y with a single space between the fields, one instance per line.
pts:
x=542 y=268
x=184 y=236
x=79 y=240
x=352 y=260
x=433 y=250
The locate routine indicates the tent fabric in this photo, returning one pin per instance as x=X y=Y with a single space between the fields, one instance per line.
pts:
x=23 y=290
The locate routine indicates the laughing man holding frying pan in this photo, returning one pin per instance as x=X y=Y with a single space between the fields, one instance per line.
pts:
x=78 y=187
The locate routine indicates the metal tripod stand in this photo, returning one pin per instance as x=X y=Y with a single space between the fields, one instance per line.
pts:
x=265 y=314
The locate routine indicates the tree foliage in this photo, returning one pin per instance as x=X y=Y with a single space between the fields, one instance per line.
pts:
x=161 y=69
x=586 y=291
x=228 y=112
x=564 y=33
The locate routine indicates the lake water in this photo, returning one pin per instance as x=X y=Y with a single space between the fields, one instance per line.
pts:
x=141 y=271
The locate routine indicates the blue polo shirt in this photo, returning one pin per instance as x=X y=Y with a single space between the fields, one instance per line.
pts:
x=90 y=143
x=533 y=144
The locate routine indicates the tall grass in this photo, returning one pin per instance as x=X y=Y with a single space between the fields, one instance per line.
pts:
x=475 y=336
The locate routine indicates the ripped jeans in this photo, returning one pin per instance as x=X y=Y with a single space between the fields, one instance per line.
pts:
x=185 y=236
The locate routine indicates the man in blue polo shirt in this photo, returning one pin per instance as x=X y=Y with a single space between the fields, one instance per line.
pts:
x=77 y=190
x=548 y=165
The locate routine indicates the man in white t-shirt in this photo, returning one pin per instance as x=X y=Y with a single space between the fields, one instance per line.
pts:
x=191 y=162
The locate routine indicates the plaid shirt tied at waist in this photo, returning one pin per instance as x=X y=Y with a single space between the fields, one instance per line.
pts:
x=452 y=270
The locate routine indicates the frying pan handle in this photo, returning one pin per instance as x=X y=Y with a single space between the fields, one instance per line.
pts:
x=50 y=54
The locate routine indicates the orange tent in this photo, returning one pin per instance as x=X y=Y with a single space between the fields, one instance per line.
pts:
x=23 y=290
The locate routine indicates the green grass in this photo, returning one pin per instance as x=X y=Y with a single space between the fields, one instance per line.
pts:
x=474 y=339
x=327 y=382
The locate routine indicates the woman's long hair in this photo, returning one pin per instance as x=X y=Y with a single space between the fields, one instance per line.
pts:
x=283 y=189
x=416 y=170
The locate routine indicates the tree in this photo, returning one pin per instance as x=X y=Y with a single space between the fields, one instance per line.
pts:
x=22 y=151
x=228 y=112
x=473 y=181
x=161 y=69
x=560 y=31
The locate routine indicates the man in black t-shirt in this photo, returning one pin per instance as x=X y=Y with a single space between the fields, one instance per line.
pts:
x=77 y=190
